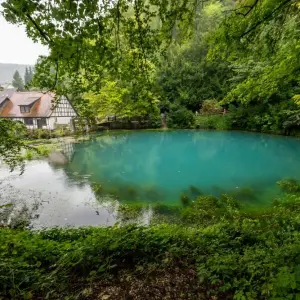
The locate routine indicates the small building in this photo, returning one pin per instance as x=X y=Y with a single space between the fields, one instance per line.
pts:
x=36 y=110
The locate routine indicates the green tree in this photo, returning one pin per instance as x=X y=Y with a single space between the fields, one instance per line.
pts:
x=28 y=75
x=11 y=143
x=18 y=81
x=260 y=40
x=186 y=76
x=26 y=79
x=89 y=38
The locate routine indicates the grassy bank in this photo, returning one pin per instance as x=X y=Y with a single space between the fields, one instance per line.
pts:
x=215 y=251
x=38 y=148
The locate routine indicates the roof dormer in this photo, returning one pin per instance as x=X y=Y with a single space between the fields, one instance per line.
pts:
x=27 y=103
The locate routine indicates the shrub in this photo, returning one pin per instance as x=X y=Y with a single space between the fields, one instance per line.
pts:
x=292 y=119
x=180 y=117
x=290 y=185
x=242 y=254
x=29 y=155
x=155 y=121
x=211 y=107
x=276 y=118
x=36 y=134
x=219 y=122
x=44 y=134
x=61 y=131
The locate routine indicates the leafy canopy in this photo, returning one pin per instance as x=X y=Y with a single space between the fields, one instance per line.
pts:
x=260 y=39
x=89 y=38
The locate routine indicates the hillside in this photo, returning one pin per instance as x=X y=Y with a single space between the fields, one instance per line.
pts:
x=7 y=71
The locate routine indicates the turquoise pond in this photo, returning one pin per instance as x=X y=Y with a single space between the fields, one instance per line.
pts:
x=150 y=167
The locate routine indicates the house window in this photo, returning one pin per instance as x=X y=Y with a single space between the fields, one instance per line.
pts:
x=24 y=108
x=28 y=121
x=42 y=122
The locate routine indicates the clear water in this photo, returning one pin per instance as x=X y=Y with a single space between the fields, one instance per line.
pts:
x=154 y=166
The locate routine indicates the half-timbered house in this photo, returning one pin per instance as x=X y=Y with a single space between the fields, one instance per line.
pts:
x=36 y=110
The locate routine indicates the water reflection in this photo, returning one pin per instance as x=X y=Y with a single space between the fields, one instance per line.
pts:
x=61 y=202
x=155 y=166
x=102 y=177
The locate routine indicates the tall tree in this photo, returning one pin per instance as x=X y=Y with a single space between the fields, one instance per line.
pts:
x=18 y=81
x=26 y=76
x=186 y=76
x=30 y=74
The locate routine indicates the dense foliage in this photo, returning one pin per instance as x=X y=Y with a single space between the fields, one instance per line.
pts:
x=231 y=252
x=180 y=117
x=10 y=143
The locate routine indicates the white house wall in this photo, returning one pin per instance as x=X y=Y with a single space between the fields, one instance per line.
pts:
x=63 y=120
x=50 y=123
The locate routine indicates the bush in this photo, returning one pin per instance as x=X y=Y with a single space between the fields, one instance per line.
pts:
x=277 y=118
x=180 y=117
x=211 y=107
x=290 y=185
x=155 y=121
x=236 y=254
x=37 y=134
x=219 y=122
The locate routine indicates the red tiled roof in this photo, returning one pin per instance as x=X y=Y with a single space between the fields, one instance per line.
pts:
x=6 y=94
x=41 y=105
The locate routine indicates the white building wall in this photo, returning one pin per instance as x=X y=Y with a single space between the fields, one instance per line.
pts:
x=56 y=121
x=63 y=120
x=51 y=123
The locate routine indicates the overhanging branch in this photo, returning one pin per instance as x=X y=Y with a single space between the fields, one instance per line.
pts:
x=266 y=18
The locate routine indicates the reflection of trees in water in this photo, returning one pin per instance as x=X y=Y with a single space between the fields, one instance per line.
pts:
x=105 y=160
x=14 y=212
x=114 y=161
x=122 y=192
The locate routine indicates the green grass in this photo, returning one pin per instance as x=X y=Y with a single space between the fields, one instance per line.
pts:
x=40 y=150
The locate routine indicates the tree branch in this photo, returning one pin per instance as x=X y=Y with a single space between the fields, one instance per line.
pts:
x=267 y=17
x=42 y=33
x=237 y=10
x=250 y=8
